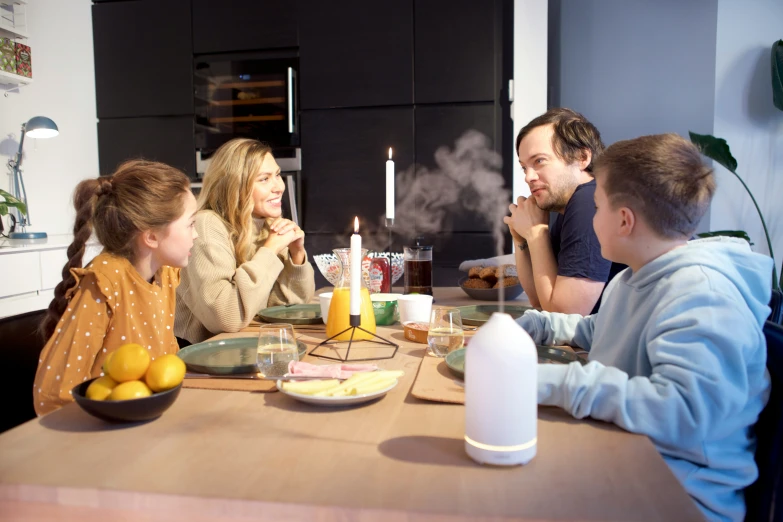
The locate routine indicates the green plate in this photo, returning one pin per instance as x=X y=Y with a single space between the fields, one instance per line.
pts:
x=456 y=362
x=546 y=354
x=477 y=315
x=226 y=357
x=292 y=314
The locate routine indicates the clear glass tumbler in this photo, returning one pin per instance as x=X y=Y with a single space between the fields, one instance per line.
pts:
x=445 y=334
x=276 y=348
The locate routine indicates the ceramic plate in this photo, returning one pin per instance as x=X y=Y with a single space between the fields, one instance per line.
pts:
x=456 y=362
x=292 y=314
x=336 y=401
x=477 y=315
x=546 y=354
x=225 y=357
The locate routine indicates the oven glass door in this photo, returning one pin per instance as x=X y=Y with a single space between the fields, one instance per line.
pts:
x=245 y=97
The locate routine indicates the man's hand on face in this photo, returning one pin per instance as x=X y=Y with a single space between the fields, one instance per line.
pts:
x=524 y=216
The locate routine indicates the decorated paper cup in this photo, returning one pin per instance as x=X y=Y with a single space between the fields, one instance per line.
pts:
x=325 y=300
x=385 y=308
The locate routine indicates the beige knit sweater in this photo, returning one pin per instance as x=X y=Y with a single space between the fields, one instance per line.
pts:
x=215 y=295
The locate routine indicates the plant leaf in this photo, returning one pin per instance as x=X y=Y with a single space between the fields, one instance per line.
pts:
x=11 y=201
x=777 y=74
x=3 y=209
x=716 y=149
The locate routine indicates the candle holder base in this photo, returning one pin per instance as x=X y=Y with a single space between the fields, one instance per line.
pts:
x=380 y=342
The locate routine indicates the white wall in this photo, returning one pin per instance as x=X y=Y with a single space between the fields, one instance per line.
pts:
x=530 y=74
x=747 y=119
x=63 y=89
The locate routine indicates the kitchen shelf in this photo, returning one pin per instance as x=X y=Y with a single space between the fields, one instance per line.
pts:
x=15 y=32
x=17 y=26
x=247 y=118
x=252 y=101
x=6 y=78
x=244 y=85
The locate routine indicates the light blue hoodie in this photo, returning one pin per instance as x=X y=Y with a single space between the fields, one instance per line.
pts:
x=677 y=353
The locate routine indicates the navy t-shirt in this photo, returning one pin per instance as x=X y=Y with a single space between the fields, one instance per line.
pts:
x=574 y=242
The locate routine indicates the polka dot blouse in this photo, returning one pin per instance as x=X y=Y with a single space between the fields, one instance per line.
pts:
x=110 y=305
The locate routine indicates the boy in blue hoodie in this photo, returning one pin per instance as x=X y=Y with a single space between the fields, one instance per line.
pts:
x=676 y=351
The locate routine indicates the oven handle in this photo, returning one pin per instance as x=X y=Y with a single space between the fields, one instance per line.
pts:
x=291 y=100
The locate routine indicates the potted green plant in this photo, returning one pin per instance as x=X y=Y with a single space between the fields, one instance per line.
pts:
x=718 y=150
x=7 y=203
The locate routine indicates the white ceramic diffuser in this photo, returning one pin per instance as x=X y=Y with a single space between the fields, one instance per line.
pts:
x=501 y=396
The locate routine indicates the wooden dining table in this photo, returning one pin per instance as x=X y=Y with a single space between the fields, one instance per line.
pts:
x=240 y=456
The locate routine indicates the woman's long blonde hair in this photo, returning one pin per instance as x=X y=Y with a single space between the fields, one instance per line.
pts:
x=228 y=190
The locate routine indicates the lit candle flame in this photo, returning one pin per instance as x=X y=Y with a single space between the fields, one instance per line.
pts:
x=356 y=225
x=390 y=153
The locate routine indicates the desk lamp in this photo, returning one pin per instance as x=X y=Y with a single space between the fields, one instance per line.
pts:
x=36 y=127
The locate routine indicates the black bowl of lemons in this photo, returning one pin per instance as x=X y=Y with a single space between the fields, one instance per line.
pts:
x=133 y=388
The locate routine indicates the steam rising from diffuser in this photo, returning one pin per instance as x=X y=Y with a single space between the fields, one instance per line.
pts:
x=467 y=179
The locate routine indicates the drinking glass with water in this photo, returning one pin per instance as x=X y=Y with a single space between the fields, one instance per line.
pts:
x=276 y=348
x=445 y=334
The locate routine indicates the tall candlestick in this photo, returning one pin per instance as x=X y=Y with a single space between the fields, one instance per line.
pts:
x=390 y=187
x=356 y=269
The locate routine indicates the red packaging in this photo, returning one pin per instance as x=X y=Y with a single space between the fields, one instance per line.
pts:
x=380 y=274
x=24 y=61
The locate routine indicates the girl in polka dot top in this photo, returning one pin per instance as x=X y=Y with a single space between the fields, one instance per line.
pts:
x=143 y=216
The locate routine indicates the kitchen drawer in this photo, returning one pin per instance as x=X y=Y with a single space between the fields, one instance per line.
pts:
x=53 y=261
x=21 y=273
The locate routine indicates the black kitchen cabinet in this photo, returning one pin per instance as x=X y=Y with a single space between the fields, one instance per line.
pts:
x=457 y=50
x=169 y=140
x=143 y=58
x=355 y=53
x=344 y=153
x=469 y=153
x=243 y=25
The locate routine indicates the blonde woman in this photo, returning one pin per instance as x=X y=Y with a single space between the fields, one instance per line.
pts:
x=247 y=257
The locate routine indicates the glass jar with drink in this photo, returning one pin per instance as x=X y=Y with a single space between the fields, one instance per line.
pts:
x=418 y=269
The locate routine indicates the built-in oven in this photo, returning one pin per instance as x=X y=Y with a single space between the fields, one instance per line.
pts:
x=250 y=95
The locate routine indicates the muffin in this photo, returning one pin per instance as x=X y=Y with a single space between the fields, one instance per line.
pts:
x=474 y=272
x=476 y=283
x=506 y=281
x=489 y=274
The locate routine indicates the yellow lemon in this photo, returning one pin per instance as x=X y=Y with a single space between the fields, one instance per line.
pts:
x=129 y=390
x=100 y=388
x=165 y=372
x=106 y=363
x=129 y=362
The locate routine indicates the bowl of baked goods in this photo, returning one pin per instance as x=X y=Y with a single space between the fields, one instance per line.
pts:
x=484 y=283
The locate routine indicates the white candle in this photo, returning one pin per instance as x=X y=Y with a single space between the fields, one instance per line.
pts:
x=356 y=269
x=390 y=187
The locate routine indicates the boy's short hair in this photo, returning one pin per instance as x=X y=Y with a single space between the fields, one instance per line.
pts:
x=662 y=178
x=573 y=135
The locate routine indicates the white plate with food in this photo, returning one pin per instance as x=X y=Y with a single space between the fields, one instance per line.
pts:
x=332 y=392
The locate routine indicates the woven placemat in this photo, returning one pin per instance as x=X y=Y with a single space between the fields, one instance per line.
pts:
x=250 y=385
x=435 y=382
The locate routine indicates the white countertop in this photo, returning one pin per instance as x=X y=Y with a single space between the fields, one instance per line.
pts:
x=53 y=242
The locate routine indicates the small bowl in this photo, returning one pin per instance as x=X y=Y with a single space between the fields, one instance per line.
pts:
x=384 y=306
x=132 y=410
x=492 y=294
x=416 y=332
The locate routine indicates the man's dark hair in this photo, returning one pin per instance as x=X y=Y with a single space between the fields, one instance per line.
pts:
x=573 y=135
